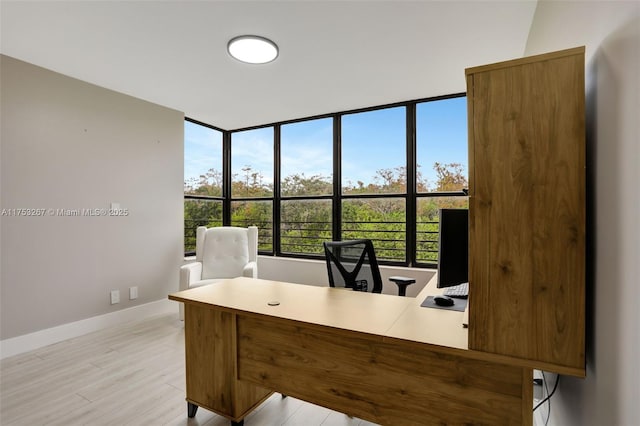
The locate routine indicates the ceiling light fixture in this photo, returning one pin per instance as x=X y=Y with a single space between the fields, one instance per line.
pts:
x=252 y=49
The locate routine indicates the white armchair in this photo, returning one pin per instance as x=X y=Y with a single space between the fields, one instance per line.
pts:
x=221 y=252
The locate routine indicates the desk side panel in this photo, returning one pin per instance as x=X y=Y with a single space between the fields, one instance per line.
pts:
x=206 y=331
x=210 y=348
x=387 y=383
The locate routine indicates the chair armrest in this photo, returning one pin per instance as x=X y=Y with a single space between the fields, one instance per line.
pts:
x=402 y=280
x=190 y=273
x=402 y=283
x=250 y=270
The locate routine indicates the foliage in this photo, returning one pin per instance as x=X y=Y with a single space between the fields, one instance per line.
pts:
x=306 y=223
x=300 y=185
x=199 y=213
x=250 y=184
x=450 y=177
x=209 y=184
x=255 y=213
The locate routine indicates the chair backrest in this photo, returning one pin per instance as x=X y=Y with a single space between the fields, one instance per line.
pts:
x=353 y=264
x=225 y=250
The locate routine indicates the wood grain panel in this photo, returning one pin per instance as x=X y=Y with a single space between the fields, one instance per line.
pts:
x=504 y=214
x=527 y=201
x=206 y=331
x=387 y=383
x=527 y=396
x=210 y=353
x=559 y=212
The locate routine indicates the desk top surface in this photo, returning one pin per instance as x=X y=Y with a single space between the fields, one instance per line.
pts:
x=384 y=315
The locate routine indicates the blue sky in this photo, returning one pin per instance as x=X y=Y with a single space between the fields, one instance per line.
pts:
x=253 y=148
x=202 y=150
x=370 y=141
x=441 y=131
x=306 y=147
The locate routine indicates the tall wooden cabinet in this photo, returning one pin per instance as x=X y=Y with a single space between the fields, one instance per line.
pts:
x=527 y=210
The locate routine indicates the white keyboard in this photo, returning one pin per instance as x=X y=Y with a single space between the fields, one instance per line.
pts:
x=460 y=291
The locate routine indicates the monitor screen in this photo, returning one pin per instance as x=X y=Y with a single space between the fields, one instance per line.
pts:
x=453 y=247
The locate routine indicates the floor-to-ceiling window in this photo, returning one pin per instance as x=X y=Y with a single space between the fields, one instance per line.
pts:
x=380 y=173
x=441 y=168
x=374 y=180
x=203 y=179
x=306 y=186
x=252 y=182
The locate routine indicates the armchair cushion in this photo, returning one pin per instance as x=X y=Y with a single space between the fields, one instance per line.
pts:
x=221 y=253
x=225 y=252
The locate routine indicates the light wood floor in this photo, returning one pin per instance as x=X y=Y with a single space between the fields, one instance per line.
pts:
x=131 y=374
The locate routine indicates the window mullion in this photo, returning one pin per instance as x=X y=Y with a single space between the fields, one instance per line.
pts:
x=226 y=178
x=411 y=215
x=277 y=172
x=337 y=178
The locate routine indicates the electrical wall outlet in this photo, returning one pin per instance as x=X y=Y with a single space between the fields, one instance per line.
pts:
x=133 y=293
x=115 y=296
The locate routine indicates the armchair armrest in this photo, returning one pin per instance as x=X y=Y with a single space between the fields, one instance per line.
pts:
x=190 y=273
x=250 y=270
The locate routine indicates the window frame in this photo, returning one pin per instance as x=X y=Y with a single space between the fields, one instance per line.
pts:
x=411 y=195
x=208 y=197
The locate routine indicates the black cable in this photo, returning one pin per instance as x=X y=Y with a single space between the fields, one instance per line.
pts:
x=546 y=389
x=555 y=386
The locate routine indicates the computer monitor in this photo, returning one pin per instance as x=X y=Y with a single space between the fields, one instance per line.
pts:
x=453 y=247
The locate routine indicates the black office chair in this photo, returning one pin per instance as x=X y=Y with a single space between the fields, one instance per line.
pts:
x=353 y=264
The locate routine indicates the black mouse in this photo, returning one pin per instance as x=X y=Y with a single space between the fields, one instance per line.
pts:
x=443 y=300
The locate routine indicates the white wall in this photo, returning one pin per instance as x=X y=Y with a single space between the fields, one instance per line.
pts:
x=66 y=144
x=610 y=31
x=314 y=272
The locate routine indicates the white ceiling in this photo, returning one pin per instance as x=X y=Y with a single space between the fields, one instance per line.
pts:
x=334 y=55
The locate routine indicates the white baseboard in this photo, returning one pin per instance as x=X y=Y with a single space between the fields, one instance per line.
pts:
x=39 y=339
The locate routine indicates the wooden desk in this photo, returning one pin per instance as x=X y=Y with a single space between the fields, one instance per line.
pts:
x=378 y=357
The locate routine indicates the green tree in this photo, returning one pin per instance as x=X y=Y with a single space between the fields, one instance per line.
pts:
x=300 y=185
x=209 y=183
x=450 y=177
x=251 y=184
x=200 y=213
x=306 y=223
